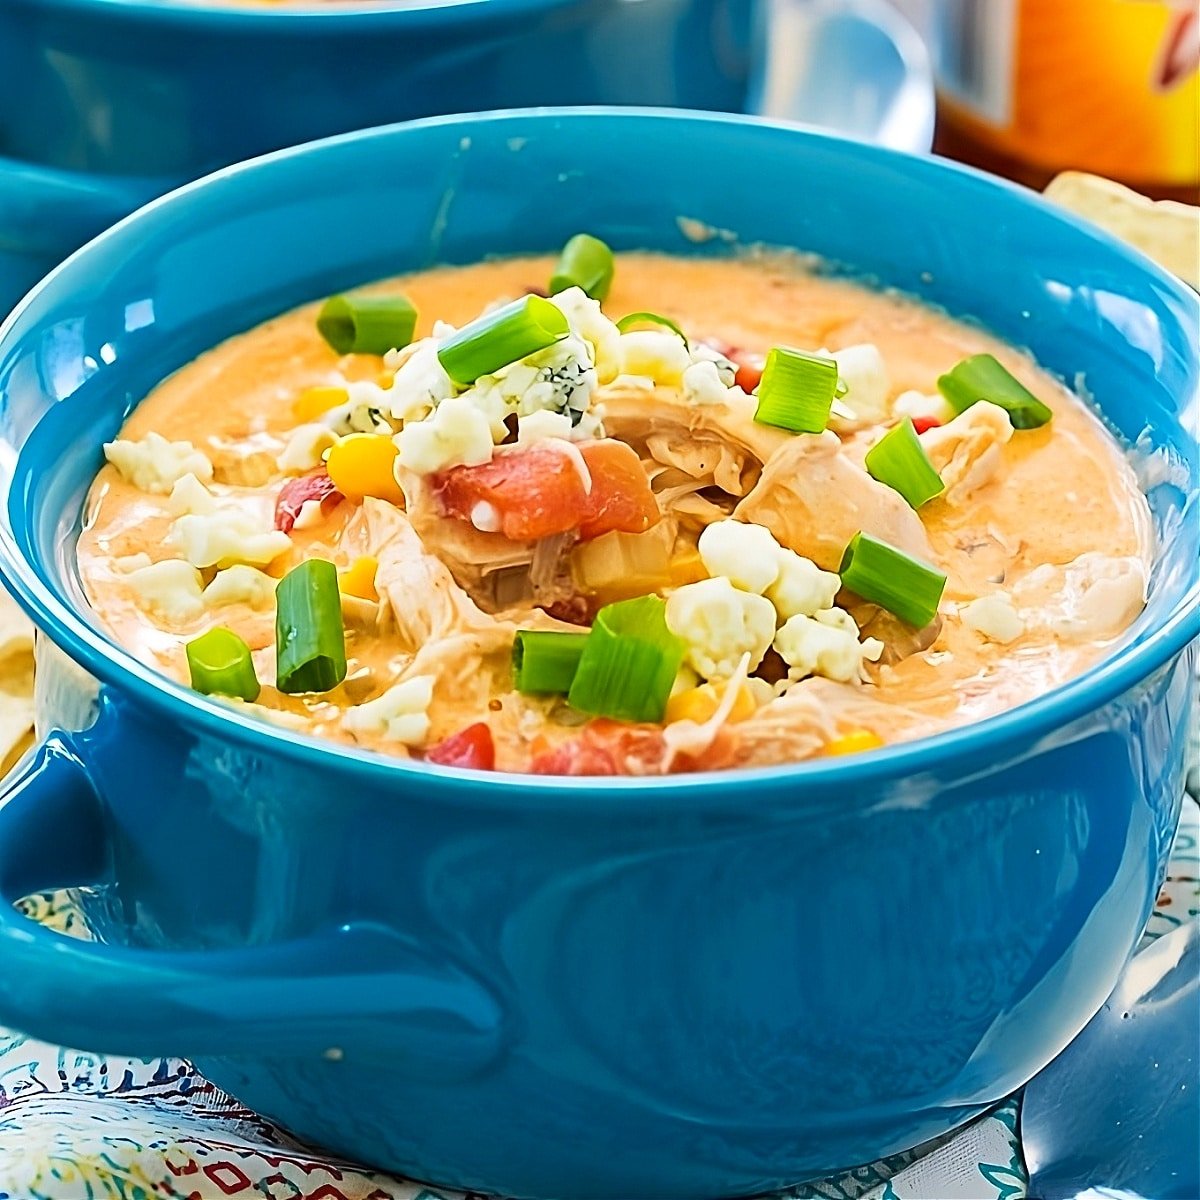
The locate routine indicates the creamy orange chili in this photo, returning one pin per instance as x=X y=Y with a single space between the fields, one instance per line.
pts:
x=739 y=592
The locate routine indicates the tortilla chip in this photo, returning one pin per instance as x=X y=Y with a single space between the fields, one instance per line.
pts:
x=1165 y=230
x=16 y=683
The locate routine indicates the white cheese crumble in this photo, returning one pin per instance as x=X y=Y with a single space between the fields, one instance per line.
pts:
x=312 y=512
x=363 y=412
x=171 y=588
x=457 y=434
x=801 y=588
x=751 y=558
x=153 y=464
x=189 y=495
x=718 y=624
x=240 y=584
x=306 y=446
x=542 y=425
x=225 y=537
x=726 y=368
x=702 y=384
x=421 y=383
x=862 y=369
x=399 y=715
x=993 y=617
x=822 y=647
x=747 y=555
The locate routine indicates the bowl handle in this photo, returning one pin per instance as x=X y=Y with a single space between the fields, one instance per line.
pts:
x=357 y=988
x=46 y=214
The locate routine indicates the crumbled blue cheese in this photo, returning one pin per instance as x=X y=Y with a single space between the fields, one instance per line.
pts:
x=827 y=647
x=401 y=714
x=241 y=584
x=306 y=447
x=171 y=588
x=365 y=410
x=588 y=322
x=541 y=425
x=726 y=368
x=421 y=382
x=457 y=433
x=224 y=537
x=152 y=464
x=993 y=617
x=719 y=624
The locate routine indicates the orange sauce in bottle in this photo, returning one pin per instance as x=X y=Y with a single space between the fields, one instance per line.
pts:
x=1033 y=87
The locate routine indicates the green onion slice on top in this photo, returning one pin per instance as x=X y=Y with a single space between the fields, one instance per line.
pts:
x=367 y=324
x=797 y=390
x=544 y=661
x=504 y=336
x=633 y=320
x=982 y=377
x=221 y=665
x=899 y=460
x=629 y=663
x=310 y=642
x=585 y=262
x=892 y=579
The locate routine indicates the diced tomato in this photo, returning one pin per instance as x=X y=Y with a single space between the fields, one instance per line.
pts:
x=470 y=747
x=297 y=492
x=620 y=499
x=541 y=492
x=605 y=747
x=924 y=424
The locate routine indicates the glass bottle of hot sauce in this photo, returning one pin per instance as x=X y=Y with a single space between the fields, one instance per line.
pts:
x=1029 y=88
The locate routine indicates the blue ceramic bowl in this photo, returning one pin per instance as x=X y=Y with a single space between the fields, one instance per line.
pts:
x=105 y=104
x=675 y=988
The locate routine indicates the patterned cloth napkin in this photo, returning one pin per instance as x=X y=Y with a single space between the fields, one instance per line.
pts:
x=77 y=1126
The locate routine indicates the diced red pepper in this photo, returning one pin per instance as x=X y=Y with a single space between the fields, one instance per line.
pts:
x=297 y=492
x=924 y=424
x=470 y=747
x=540 y=492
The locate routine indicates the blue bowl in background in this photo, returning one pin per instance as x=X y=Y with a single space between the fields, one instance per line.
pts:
x=662 y=989
x=105 y=104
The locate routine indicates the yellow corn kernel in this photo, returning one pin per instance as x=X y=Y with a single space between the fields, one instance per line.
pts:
x=854 y=742
x=699 y=703
x=314 y=401
x=359 y=578
x=362 y=464
x=687 y=568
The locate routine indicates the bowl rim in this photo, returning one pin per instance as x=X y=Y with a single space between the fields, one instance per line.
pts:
x=315 y=18
x=1014 y=730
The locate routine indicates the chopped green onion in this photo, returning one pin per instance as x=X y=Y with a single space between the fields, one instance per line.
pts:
x=797 y=390
x=367 y=324
x=504 y=336
x=545 y=660
x=221 y=665
x=892 y=579
x=899 y=460
x=625 y=324
x=310 y=643
x=585 y=262
x=629 y=663
x=981 y=377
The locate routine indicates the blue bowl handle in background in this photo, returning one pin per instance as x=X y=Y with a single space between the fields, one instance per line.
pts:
x=803 y=53
x=369 y=987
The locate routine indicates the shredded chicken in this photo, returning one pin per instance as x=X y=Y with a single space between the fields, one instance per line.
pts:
x=814 y=500
x=967 y=451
